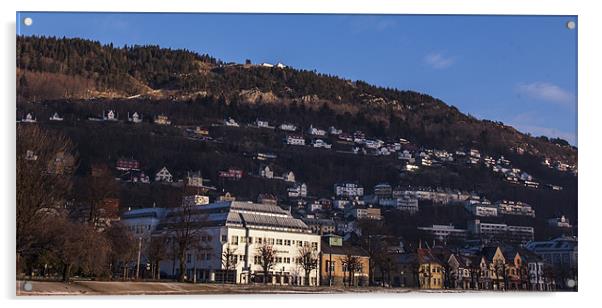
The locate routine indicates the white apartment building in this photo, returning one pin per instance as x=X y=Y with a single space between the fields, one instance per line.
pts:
x=241 y=228
x=481 y=209
x=348 y=189
x=505 y=207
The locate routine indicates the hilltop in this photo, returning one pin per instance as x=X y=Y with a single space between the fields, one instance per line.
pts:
x=62 y=69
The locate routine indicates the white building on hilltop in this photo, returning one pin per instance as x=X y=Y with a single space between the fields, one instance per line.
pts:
x=237 y=230
x=163 y=176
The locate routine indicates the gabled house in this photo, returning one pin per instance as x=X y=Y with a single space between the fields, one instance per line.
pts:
x=135 y=118
x=163 y=176
x=431 y=271
x=288 y=127
x=289 y=177
x=231 y=122
x=162 y=120
x=55 y=117
x=110 y=116
x=29 y=118
x=316 y=131
x=266 y=172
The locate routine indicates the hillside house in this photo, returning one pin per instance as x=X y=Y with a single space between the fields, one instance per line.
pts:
x=29 y=118
x=263 y=124
x=110 y=116
x=232 y=174
x=266 y=172
x=126 y=164
x=62 y=163
x=319 y=143
x=289 y=177
x=163 y=176
x=299 y=190
x=334 y=131
x=316 y=131
x=55 y=117
x=135 y=118
x=295 y=140
x=288 y=127
x=231 y=122
x=162 y=120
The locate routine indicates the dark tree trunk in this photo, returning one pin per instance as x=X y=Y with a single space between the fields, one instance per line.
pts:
x=66 y=272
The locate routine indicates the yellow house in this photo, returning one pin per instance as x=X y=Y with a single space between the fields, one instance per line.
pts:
x=431 y=273
x=343 y=264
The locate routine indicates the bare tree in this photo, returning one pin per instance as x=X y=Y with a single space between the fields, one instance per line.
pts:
x=92 y=194
x=229 y=261
x=308 y=260
x=156 y=251
x=185 y=234
x=267 y=259
x=351 y=264
x=123 y=246
x=39 y=192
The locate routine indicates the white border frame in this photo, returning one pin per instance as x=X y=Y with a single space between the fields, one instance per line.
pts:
x=588 y=128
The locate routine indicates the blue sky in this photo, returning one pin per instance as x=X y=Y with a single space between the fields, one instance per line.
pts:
x=521 y=70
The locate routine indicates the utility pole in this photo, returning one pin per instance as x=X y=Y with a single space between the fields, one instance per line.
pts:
x=138 y=260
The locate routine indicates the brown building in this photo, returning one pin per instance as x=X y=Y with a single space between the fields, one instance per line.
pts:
x=342 y=263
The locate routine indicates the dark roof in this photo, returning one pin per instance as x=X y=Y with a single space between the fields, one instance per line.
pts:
x=343 y=250
x=488 y=252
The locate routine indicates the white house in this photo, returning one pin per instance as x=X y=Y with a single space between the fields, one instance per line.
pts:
x=266 y=172
x=55 y=117
x=319 y=143
x=288 y=127
x=295 y=140
x=289 y=176
x=29 y=118
x=136 y=118
x=110 y=116
x=297 y=191
x=163 y=176
x=231 y=122
x=262 y=124
x=334 y=131
x=316 y=131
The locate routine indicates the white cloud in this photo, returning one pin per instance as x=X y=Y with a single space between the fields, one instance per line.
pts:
x=438 y=60
x=545 y=91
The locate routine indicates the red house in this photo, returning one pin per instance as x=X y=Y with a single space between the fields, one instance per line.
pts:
x=126 y=164
x=232 y=173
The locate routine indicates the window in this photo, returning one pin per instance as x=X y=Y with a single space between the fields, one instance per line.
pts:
x=287 y=260
x=270 y=241
x=234 y=240
x=241 y=258
x=278 y=259
x=287 y=242
x=250 y=241
x=299 y=243
x=314 y=245
x=243 y=239
x=224 y=238
x=278 y=241
x=258 y=240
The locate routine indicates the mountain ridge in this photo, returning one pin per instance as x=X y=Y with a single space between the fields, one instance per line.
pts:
x=84 y=69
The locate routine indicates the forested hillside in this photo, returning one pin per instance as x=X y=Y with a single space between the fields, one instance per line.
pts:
x=57 y=69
